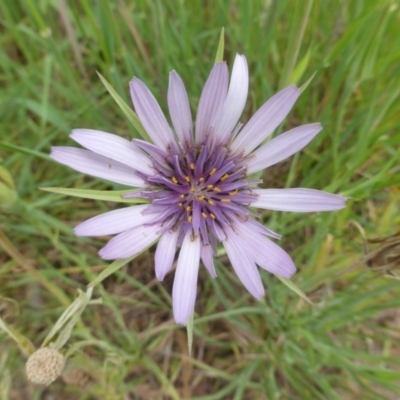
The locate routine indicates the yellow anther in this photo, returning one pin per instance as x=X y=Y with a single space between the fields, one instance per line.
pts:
x=226 y=176
x=212 y=216
x=213 y=171
x=209 y=187
x=182 y=196
x=201 y=179
x=210 y=202
x=234 y=192
x=201 y=198
x=180 y=204
x=217 y=189
x=191 y=165
x=174 y=180
x=192 y=189
x=225 y=200
x=188 y=208
x=187 y=179
x=189 y=218
x=204 y=215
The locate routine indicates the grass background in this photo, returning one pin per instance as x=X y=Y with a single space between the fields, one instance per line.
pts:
x=345 y=345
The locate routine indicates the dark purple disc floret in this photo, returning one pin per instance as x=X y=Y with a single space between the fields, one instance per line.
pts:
x=201 y=188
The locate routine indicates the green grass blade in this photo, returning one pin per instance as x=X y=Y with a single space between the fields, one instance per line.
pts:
x=105 y=195
x=129 y=113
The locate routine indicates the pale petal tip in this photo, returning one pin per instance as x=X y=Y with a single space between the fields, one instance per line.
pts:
x=293 y=90
x=287 y=269
x=77 y=134
x=133 y=82
x=182 y=318
x=108 y=257
x=78 y=231
x=160 y=276
x=338 y=204
x=259 y=294
x=105 y=253
x=54 y=152
x=290 y=271
x=101 y=253
x=344 y=201
x=81 y=230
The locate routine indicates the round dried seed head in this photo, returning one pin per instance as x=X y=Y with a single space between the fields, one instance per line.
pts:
x=44 y=366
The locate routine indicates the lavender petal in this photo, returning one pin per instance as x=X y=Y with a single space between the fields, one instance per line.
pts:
x=243 y=265
x=266 y=120
x=271 y=258
x=179 y=108
x=185 y=283
x=208 y=259
x=96 y=165
x=298 y=200
x=235 y=99
x=150 y=114
x=113 y=222
x=165 y=253
x=211 y=101
x=114 y=147
x=260 y=228
x=130 y=243
x=282 y=147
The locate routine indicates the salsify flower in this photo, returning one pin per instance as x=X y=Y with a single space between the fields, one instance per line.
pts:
x=196 y=181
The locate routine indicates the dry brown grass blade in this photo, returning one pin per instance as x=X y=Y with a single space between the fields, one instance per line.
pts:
x=384 y=258
x=69 y=29
x=125 y=14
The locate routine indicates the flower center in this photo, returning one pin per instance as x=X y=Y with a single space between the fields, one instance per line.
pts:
x=200 y=188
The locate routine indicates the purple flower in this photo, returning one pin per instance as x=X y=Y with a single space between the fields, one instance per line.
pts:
x=197 y=182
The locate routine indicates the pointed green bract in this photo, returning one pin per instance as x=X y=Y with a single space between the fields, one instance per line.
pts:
x=304 y=86
x=189 y=331
x=129 y=113
x=300 y=68
x=104 y=195
x=23 y=150
x=299 y=21
x=109 y=270
x=63 y=327
x=294 y=288
x=220 y=51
